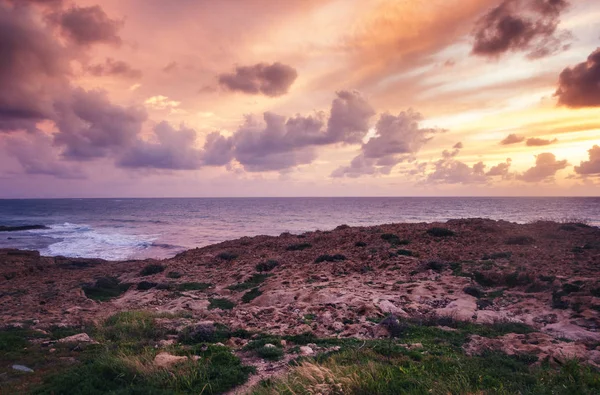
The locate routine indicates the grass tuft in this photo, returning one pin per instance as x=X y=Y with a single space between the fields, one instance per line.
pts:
x=152 y=269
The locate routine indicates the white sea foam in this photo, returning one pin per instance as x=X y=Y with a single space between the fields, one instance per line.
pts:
x=83 y=241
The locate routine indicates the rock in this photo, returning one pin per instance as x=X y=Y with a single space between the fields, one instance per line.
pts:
x=22 y=368
x=165 y=360
x=306 y=351
x=269 y=345
x=78 y=338
x=338 y=326
x=284 y=343
x=388 y=307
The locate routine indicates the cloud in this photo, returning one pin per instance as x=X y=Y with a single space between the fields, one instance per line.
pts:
x=512 y=139
x=501 y=169
x=33 y=70
x=578 y=86
x=36 y=155
x=173 y=149
x=537 y=142
x=448 y=170
x=170 y=67
x=161 y=102
x=88 y=25
x=396 y=139
x=112 y=67
x=458 y=145
x=592 y=166
x=270 y=80
x=546 y=166
x=218 y=150
x=520 y=26
x=91 y=127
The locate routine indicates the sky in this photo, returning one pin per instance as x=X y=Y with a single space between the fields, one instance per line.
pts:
x=202 y=98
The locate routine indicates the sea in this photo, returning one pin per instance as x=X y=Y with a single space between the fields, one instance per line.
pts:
x=120 y=229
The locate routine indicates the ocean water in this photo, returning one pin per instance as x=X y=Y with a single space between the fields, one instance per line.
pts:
x=117 y=229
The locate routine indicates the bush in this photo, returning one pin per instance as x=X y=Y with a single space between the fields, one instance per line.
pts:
x=473 y=291
x=152 y=269
x=404 y=252
x=270 y=353
x=360 y=244
x=436 y=266
x=254 y=281
x=174 y=275
x=330 y=258
x=251 y=295
x=267 y=266
x=227 y=256
x=146 y=285
x=298 y=247
x=520 y=240
x=105 y=288
x=557 y=302
x=220 y=303
x=498 y=255
x=131 y=327
x=440 y=232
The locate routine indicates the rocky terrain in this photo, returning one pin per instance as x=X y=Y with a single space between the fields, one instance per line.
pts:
x=541 y=279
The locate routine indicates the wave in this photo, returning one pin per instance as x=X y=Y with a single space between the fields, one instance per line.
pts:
x=83 y=241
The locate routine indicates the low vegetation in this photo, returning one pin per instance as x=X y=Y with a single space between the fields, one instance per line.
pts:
x=152 y=269
x=520 y=240
x=267 y=266
x=220 y=303
x=227 y=256
x=251 y=295
x=298 y=247
x=440 y=232
x=254 y=281
x=105 y=288
x=193 y=286
x=330 y=258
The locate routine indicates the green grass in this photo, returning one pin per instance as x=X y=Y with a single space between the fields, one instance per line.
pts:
x=254 y=281
x=399 y=371
x=220 y=303
x=251 y=295
x=193 y=286
x=152 y=269
x=105 y=288
x=298 y=247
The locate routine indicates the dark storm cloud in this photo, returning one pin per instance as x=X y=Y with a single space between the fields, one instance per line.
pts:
x=512 y=139
x=580 y=86
x=113 y=67
x=33 y=70
x=262 y=78
x=592 y=166
x=173 y=149
x=546 y=166
x=88 y=25
x=537 y=142
x=396 y=139
x=90 y=126
x=520 y=26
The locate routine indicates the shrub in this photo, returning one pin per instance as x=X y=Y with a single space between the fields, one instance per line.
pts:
x=473 y=291
x=220 y=303
x=146 y=285
x=251 y=295
x=520 y=240
x=255 y=280
x=498 y=255
x=298 y=247
x=483 y=303
x=571 y=287
x=557 y=302
x=152 y=269
x=330 y=258
x=227 y=256
x=436 y=266
x=393 y=326
x=105 y=288
x=267 y=266
x=342 y=227
x=404 y=252
x=270 y=353
x=390 y=238
x=131 y=328
x=174 y=275
x=360 y=244
x=440 y=232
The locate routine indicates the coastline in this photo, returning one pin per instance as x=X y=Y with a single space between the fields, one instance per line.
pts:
x=339 y=284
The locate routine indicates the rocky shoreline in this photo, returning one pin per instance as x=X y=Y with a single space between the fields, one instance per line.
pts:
x=341 y=284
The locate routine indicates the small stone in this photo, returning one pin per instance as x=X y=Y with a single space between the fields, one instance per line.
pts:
x=269 y=345
x=306 y=350
x=78 y=338
x=284 y=343
x=22 y=368
x=338 y=326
